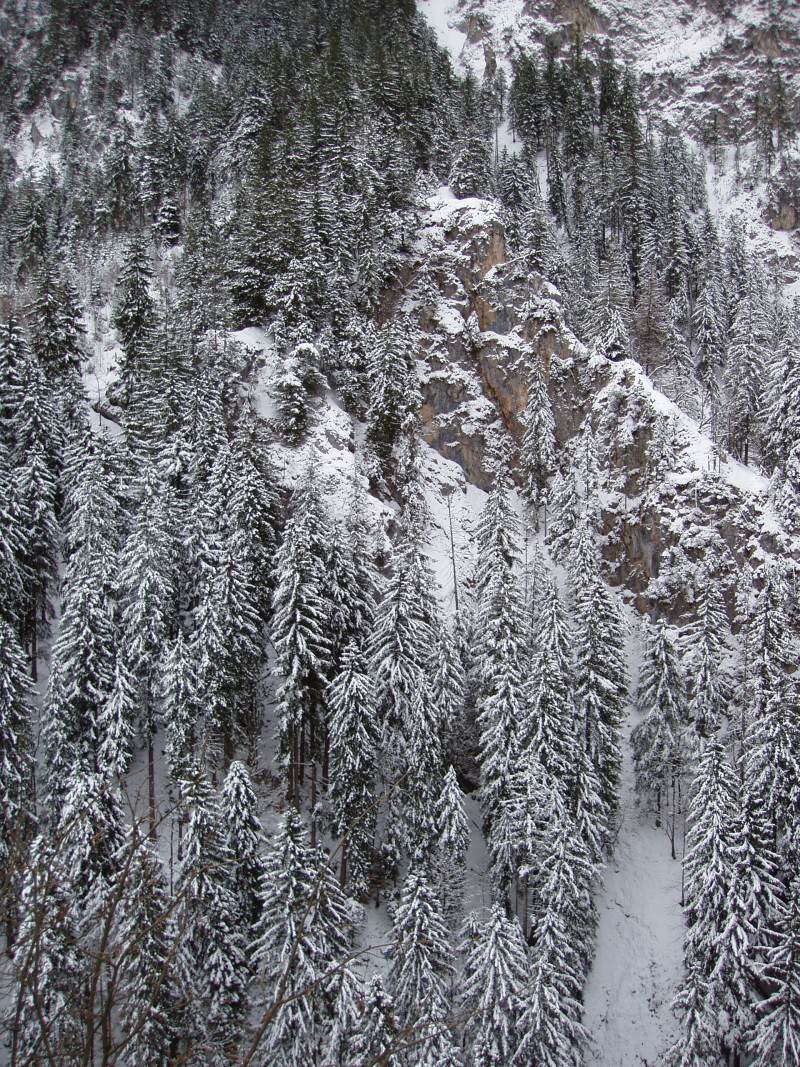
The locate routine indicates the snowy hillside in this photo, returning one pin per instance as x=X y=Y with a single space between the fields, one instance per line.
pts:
x=400 y=470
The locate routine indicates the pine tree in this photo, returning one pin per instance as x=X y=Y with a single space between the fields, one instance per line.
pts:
x=471 y=172
x=710 y=688
x=48 y=967
x=776 y=1036
x=16 y=770
x=744 y=375
x=147 y=595
x=180 y=704
x=657 y=739
x=548 y=728
x=501 y=707
x=698 y=1044
x=453 y=831
x=243 y=843
x=420 y=963
x=90 y=838
x=117 y=722
x=376 y=1034
x=708 y=337
x=80 y=685
x=550 y=1027
x=497 y=533
x=212 y=947
x=345 y=1020
x=151 y=1016
x=395 y=398
x=400 y=649
x=228 y=644
x=55 y=325
x=448 y=690
x=353 y=742
x=566 y=513
x=537 y=454
x=719 y=936
x=772 y=759
x=301 y=643
x=134 y=316
x=37 y=453
x=600 y=672
x=494 y=990
x=302 y=939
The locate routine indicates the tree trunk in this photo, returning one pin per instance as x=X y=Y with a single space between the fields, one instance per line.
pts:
x=343 y=866
x=312 y=771
x=326 y=754
x=34 y=645
x=151 y=774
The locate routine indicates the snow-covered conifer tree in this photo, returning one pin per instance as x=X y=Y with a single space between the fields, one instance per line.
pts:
x=353 y=742
x=243 y=843
x=494 y=989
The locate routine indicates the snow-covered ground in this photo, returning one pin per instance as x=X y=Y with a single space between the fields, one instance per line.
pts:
x=638 y=961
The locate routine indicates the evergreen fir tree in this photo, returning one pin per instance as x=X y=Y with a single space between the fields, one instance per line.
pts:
x=548 y=728
x=657 y=739
x=494 y=990
x=600 y=672
x=550 y=1028
x=376 y=1034
x=717 y=941
x=420 y=964
x=134 y=316
x=243 y=842
x=353 y=741
x=152 y=1017
x=453 y=831
x=16 y=771
x=47 y=963
x=302 y=939
x=212 y=947
x=776 y=1037
x=301 y=643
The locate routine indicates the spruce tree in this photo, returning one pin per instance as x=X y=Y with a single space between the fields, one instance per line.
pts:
x=494 y=988
x=550 y=1029
x=212 y=957
x=48 y=967
x=717 y=944
x=134 y=317
x=776 y=1035
x=243 y=843
x=16 y=770
x=353 y=743
x=548 y=728
x=657 y=739
x=302 y=940
x=600 y=671
x=537 y=454
x=420 y=964
x=377 y=1033
x=298 y=633
x=452 y=825
x=151 y=1018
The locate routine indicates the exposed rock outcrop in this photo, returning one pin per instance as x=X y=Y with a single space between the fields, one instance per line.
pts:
x=482 y=322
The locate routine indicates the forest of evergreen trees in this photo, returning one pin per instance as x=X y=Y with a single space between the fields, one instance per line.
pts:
x=182 y=633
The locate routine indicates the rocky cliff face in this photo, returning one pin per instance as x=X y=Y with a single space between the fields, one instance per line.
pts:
x=482 y=321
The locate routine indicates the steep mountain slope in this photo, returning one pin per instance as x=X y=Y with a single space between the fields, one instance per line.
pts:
x=378 y=518
x=717 y=72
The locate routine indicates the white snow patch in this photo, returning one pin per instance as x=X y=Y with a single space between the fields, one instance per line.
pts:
x=638 y=959
x=441 y=16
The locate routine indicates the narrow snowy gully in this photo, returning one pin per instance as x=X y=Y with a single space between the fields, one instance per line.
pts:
x=638 y=957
